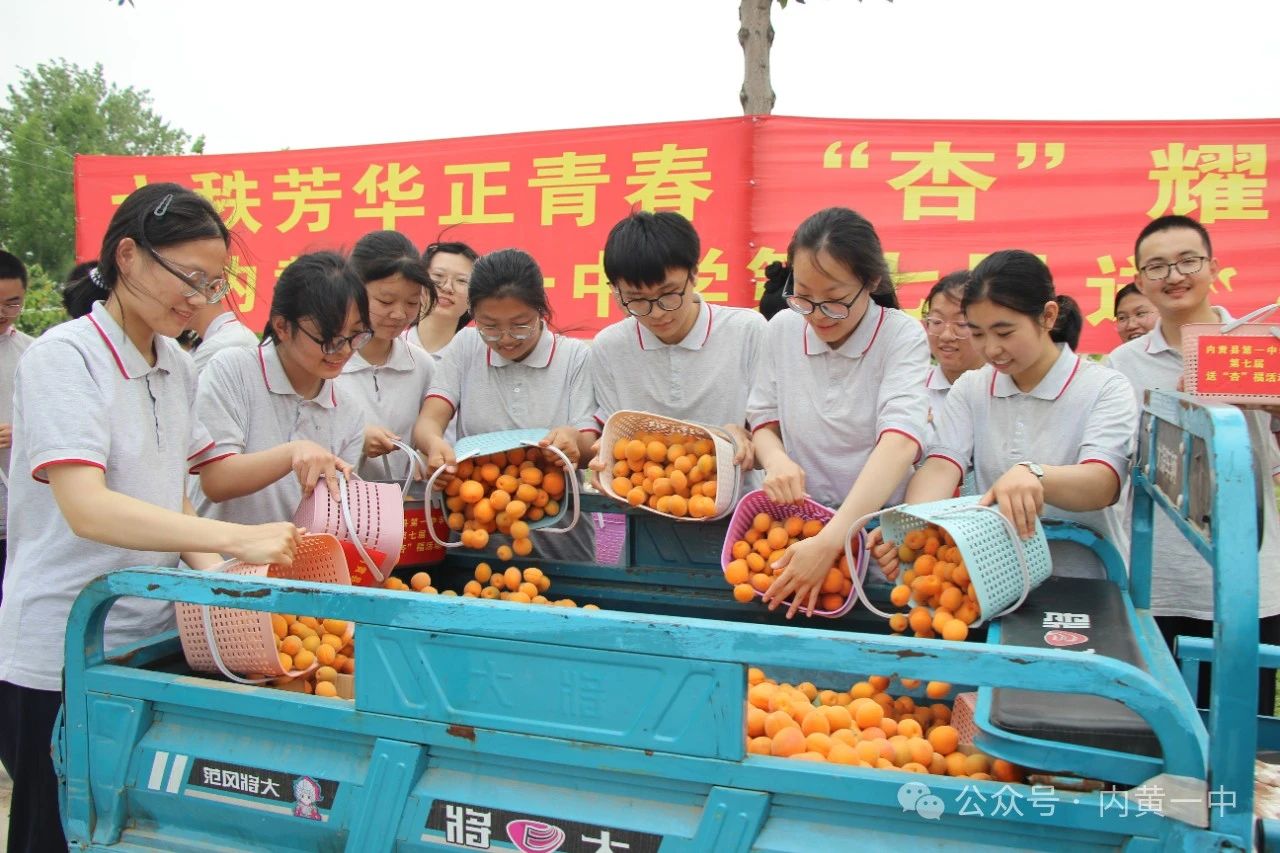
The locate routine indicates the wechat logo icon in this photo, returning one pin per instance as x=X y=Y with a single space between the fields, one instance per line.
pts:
x=916 y=797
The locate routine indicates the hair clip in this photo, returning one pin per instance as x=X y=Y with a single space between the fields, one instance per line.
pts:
x=163 y=207
x=96 y=277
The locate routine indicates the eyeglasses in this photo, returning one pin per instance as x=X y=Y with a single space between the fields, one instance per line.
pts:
x=935 y=325
x=195 y=281
x=833 y=308
x=644 y=307
x=1136 y=316
x=520 y=332
x=336 y=345
x=455 y=282
x=1159 y=271
x=10 y=309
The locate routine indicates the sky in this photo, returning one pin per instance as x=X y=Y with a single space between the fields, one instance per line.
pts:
x=259 y=75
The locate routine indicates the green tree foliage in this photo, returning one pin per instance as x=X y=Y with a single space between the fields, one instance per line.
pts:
x=52 y=113
x=43 y=305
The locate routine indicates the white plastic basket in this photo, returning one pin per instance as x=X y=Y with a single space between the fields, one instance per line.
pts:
x=625 y=424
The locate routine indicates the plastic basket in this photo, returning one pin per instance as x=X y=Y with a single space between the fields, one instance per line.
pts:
x=237 y=642
x=628 y=424
x=962 y=717
x=1002 y=567
x=488 y=443
x=754 y=503
x=369 y=515
x=1262 y=341
x=419 y=548
x=611 y=536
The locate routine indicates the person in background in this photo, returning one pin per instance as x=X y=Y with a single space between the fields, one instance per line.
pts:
x=388 y=379
x=449 y=266
x=953 y=354
x=1135 y=315
x=218 y=327
x=1176 y=269
x=13 y=343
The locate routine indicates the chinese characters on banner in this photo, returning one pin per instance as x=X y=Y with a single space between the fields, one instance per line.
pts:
x=942 y=196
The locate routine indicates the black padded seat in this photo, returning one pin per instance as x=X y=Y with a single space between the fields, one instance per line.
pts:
x=1056 y=615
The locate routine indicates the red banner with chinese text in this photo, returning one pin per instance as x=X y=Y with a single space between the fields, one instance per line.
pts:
x=941 y=194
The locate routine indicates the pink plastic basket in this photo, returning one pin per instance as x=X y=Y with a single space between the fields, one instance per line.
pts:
x=374 y=511
x=754 y=503
x=239 y=642
x=962 y=717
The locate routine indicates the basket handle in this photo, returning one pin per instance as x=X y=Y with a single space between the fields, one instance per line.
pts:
x=415 y=464
x=206 y=618
x=430 y=491
x=1257 y=314
x=344 y=503
x=854 y=528
x=571 y=477
x=1017 y=547
x=737 y=481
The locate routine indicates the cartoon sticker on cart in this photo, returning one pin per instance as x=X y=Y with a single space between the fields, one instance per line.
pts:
x=306 y=793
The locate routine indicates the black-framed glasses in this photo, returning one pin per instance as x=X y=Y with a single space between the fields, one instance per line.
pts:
x=194 y=281
x=832 y=308
x=643 y=307
x=519 y=332
x=1160 y=270
x=336 y=345
x=933 y=326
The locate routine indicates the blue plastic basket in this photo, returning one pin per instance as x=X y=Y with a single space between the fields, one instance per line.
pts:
x=484 y=444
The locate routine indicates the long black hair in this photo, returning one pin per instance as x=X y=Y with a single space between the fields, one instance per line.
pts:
x=322 y=287
x=851 y=239
x=1021 y=282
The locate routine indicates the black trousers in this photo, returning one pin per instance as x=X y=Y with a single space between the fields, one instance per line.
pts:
x=1268 y=632
x=26 y=730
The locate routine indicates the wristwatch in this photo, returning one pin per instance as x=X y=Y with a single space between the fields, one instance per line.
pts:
x=1034 y=469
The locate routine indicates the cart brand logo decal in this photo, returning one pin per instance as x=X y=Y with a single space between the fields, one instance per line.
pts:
x=476 y=827
x=253 y=787
x=1064 y=638
x=534 y=836
x=1078 y=621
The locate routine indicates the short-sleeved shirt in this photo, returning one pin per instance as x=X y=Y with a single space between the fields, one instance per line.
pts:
x=85 y=395
x=1079 y=412
x=550 y=387
x=12 y=345
x=938 y=386
x=247 y=403
x=833 y=405
x=1181 y=580
x=224 y=332
x=704 y=378
x=389 y=395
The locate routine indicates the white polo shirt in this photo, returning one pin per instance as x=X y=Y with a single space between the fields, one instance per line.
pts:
x=247 y=403
x=938 y=386
x=551 y=387
x=389 y=395
x=1181 y=580
x=226 y=331
x=84 y=394
x=704 y=378
x=13 y=344
x=1079 y=412
x=832 y=406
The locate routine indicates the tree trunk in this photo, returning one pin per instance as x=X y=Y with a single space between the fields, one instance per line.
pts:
x=756 y=37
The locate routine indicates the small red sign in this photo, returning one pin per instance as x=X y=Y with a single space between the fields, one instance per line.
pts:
x=1064 y=638
x=1238 y=364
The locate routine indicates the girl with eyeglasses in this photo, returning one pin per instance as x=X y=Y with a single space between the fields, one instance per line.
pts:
x=105 y=432
x=449 y=265
x=1046 y=431
x=511 y=371
x=949 y=344
x=838 y=407
x=388 y=379
x=275 y=412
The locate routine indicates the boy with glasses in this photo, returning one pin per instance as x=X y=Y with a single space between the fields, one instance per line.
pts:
x=674 y=354
x=13 y=343
x=1176 y=268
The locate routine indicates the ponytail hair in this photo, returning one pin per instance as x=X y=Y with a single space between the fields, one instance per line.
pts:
x=1066 y=329
x=1018 y=280
x=154 y=217
x=851 y=239
x=775 y=281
